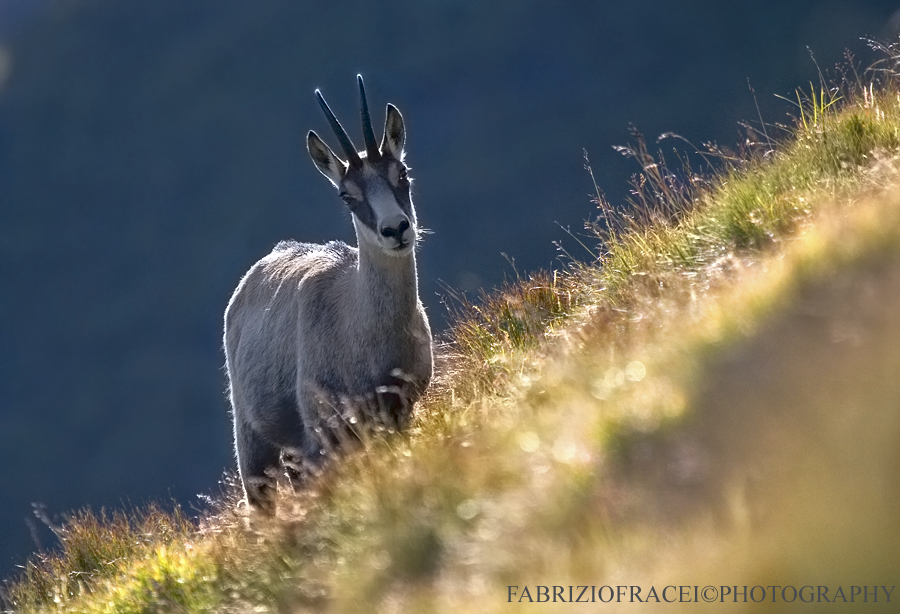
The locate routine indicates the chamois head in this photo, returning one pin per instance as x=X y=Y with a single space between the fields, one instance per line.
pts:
x=373 y=183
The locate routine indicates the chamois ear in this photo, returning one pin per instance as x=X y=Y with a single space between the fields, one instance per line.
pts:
x=394 y=134
x=328 y=164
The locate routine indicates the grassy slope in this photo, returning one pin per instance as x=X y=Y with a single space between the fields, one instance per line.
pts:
x=714 y=401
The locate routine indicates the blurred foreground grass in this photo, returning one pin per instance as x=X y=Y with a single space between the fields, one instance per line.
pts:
x=714 y=401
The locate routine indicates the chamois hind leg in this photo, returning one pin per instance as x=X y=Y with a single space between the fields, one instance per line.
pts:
x=258 y=461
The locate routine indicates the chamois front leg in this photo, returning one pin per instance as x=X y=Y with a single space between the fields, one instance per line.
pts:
x=258 y=462
x=394 y=400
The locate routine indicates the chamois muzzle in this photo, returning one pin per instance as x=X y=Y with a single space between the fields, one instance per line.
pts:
x=395 y=231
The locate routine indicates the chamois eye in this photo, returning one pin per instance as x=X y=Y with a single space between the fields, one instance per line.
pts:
x=345 y=196
x=403 y=176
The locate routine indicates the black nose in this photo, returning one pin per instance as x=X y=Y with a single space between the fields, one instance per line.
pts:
x=388 y=232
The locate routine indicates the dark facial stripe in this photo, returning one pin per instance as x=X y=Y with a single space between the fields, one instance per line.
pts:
x=361 y=208
x=364 y=213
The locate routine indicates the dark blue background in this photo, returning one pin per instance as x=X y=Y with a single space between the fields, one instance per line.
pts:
x=151 y=151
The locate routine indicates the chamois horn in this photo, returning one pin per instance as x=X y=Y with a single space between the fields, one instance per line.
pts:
x=340 y=133
x=372 y=151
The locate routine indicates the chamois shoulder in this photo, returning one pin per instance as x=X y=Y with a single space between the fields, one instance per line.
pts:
x=291 y=259
x=274 y=276
x=291 y=250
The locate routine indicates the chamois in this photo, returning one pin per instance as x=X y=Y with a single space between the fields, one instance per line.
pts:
x=323 y=340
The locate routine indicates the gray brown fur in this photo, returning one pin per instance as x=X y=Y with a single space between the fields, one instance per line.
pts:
x=322 y=340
